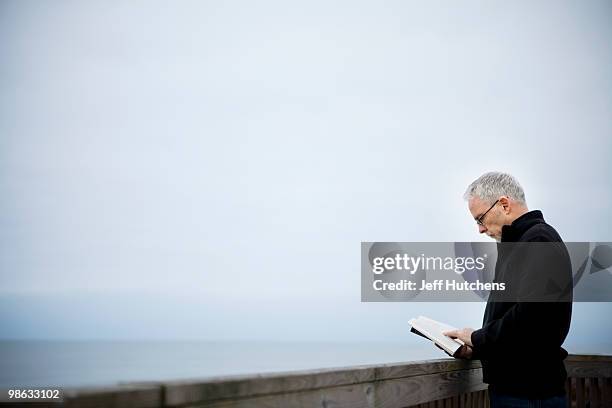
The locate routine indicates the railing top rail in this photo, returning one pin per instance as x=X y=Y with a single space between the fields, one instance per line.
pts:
x=176 y=392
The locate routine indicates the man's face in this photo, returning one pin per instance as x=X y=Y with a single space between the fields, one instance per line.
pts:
x=492 y=222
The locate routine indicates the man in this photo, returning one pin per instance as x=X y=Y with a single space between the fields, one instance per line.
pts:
x=520 y=342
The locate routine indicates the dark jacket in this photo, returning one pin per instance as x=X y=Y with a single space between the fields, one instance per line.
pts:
x=519 y=344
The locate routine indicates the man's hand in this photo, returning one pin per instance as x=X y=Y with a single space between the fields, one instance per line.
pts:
x=465 y=352
x=465 y=335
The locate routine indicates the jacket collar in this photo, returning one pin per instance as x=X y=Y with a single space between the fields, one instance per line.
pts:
x=514 y=231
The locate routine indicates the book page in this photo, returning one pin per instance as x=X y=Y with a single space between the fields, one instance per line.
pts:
x=433 y=330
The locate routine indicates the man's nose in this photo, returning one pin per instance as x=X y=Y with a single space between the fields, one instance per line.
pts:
x=482 y=229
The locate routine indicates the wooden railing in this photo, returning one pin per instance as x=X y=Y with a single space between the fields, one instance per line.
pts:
x=441 y=383
x=590 y=381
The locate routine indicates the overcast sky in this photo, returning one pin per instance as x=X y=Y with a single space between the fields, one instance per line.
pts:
x=215 y=165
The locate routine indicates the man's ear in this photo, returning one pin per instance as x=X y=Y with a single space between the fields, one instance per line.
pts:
x=505 y=204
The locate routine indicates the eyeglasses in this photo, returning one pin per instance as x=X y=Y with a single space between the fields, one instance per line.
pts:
x=479 y=219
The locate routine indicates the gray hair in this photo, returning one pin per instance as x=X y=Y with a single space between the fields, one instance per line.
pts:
x=490 y=186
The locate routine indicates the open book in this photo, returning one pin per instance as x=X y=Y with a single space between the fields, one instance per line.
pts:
x=432 y=330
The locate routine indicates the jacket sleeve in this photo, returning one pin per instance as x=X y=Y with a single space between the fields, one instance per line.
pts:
x=528 y=327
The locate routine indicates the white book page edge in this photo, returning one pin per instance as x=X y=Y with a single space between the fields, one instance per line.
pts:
x=449 y=345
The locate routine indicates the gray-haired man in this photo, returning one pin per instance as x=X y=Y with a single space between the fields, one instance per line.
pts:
x=519 y=344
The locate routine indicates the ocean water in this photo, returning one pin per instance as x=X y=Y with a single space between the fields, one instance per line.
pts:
x=98 y=363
